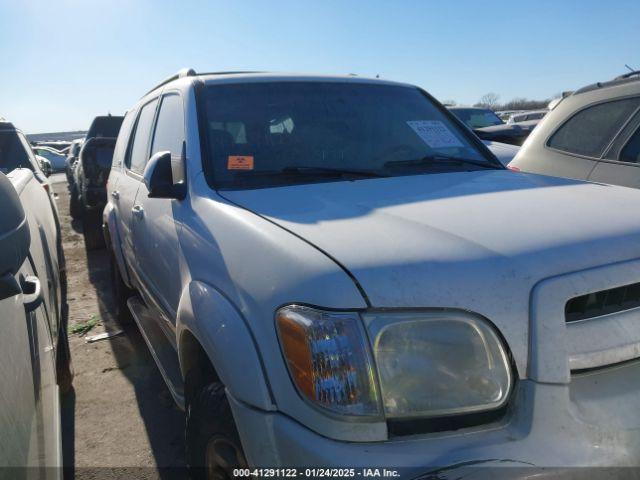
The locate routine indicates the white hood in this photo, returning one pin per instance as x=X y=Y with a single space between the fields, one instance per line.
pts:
x=473 y=240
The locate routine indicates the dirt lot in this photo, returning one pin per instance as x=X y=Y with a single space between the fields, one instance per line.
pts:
x=120 y=413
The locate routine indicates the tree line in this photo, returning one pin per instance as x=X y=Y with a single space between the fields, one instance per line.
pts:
x=491 y=101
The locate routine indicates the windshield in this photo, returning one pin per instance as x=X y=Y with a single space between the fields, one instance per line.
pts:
x=476 y=117
x=12 y=153
x=269 y=134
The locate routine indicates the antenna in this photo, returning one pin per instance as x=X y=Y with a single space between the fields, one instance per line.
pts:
x=630 y=69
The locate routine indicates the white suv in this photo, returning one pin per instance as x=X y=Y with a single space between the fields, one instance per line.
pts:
x=334 y=271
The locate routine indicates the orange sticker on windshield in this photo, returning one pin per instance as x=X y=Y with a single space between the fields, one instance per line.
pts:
x=240 y=162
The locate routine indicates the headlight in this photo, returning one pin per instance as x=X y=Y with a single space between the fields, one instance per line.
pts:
x=429 y=364
x=435 y=364
x=329 y=359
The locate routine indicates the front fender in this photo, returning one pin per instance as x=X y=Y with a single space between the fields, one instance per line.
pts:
x=112 y=238
x=223 y=334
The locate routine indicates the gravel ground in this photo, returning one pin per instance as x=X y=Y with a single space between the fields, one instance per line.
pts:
x=120 y=420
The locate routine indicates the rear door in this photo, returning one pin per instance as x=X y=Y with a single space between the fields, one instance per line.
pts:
x=130 y=180
x=155 y=230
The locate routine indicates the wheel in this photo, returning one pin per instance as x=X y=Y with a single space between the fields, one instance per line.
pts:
x=121 y=293
x=213 y=445
x=92 y=230
x=75 y=207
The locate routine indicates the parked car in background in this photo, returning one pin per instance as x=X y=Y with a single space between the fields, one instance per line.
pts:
x=45 y=165
x=505 y=114
x=488 y=126
x=592 y=134
x=58 y=145
x=36 y=362
x=72 y=157
x=55 y=157
x=527 y=116
x=503 y=151
x=90 y=173
x=334 y=271
x=90 y=179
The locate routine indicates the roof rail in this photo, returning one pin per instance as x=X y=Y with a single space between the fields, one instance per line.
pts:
x=185 y=72
x=628 y=74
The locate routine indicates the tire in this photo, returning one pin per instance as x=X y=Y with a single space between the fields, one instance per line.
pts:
x=212 y=440
x=121 y=293
x=92 y=230
x=75 y=207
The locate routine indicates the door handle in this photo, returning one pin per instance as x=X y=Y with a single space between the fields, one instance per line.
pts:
x=31 y=292
x=137 y=211
x=115 y=194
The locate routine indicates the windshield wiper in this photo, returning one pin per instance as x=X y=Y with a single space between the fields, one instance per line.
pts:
x=332 y=171
x=439 y=159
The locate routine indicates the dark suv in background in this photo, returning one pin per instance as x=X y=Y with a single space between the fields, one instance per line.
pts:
x=88 y=194
x=488 y=126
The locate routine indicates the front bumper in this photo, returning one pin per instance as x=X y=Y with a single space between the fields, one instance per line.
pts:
x=593 y=421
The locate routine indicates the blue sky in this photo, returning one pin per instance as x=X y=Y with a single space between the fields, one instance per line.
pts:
x=65 y=61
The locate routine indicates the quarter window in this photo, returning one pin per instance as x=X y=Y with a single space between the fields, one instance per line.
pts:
x=631 y=151
x=591 y=130
x=139 y=148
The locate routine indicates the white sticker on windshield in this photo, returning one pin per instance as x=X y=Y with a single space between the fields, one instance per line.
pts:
x=434 y=133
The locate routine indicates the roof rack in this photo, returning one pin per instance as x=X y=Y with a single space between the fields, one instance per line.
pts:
x=185 y=72
x=190 y=72
x=619 y=80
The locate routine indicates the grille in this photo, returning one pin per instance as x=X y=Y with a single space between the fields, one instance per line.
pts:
x=603 y=302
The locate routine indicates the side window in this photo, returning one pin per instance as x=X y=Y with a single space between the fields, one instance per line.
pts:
x=590 y=131
x=123 y=140
x=631 y=151
x=138 y=156
x=169 y=133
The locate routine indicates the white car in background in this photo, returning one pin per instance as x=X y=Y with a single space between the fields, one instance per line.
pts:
x=55 y=157
x=527 y=116
x=503 y=151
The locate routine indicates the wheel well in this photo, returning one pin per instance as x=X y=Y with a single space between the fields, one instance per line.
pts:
x=197 y=369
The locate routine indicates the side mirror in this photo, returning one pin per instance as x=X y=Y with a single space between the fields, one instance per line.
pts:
x=164 y=176
x=14 y=237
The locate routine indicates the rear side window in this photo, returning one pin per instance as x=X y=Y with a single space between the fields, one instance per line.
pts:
x=169 y=133
x=138 y=157
x=591 y=130
x=631 y=151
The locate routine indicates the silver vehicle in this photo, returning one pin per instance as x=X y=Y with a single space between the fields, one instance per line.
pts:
x=527 y=116
x=336 y=272
x=35 y=361
x=592 y=134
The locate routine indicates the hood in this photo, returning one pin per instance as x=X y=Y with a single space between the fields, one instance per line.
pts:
x=503 y=128
x=503 y=151
x=478 y=241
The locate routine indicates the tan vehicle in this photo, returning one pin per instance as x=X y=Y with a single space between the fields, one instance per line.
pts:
x=592 y=134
